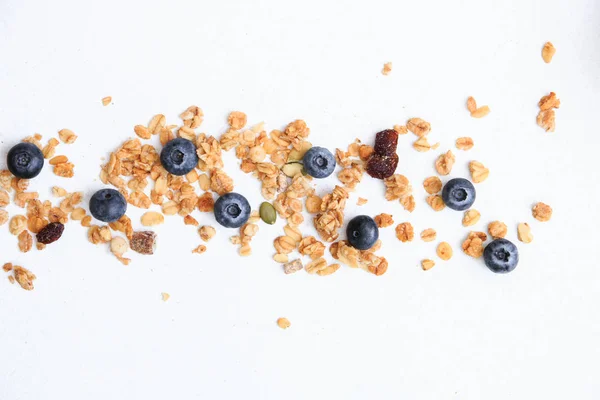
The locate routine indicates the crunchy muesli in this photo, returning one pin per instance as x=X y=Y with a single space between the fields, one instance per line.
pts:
x=405 y=232
x=524 y=232
x=497 y=229
x=542 y=212
x=428 y=235
x=444 y=251
x=473 y=244
x=384 y=220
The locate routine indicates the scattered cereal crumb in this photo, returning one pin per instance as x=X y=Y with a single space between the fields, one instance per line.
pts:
x=361 y=201
x=405 y=232
x=237 y=120
x=547 y=120
x=444 y=163
x=401 y=129
x=292 y=266
x=549 y=102
x=418 y=126
x=283 y=323
x=473 y=244
x=152 y=218
x=471 y=217
x=11 y=279
x=542 y=212
x=548 y=52
x=436 y=202
x=58 y=191
x=281 y=258
x=165 y=296
x=207 y=232
x=480 y=112
x=471 y=104
x=384 y=220
x=200 y=249
x=524 y=232
x=428 y=235
x=67 y=136
x=7 y=267
x=444 y=251
x=422 y=145
x=143 y=242
x=330 y=269
x=464 y=143
x=427 y=264
x=387 y=68
x=432 y=185
x=106 y=100
x=479 y=172
x=24 y=277
x=189 y=220
x=118 y=246
x=497 y=229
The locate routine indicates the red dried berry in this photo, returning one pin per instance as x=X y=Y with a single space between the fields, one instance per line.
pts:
x=381 y=167
x=386 y=142
x=51 y=233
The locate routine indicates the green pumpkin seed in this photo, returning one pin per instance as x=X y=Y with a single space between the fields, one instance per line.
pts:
x=267 y=213
x=292 y=169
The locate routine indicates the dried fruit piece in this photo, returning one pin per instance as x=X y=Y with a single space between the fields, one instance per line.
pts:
x=471 y=104
x=464 y=143
x=444 y=251
x=548 y=52
x=283 y=323
x=473 y=244
x=542 y=212
x=386 y=142
x=143 y=242
x=432 y=185
x=384 y=220
x=444 y=163
x=427 y=264
x=436 y=202
x=428 y=235
x=471 y=217
x=51 y=233
x=479 y=172
x=497 y=229
x=418 y=126
x=480 y=112
x=381 y=167
x=405 y=232
x=524 y=232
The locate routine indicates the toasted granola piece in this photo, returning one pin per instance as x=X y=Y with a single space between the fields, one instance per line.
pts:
x=405 y=232
x=542 y=212
x=143 y=242
x=473 y=244
x=24 y=277
x=384 y=220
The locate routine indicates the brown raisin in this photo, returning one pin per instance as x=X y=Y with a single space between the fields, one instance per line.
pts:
x=386 y=142
x=143 y=242
x=51 y=233
x=381 y=167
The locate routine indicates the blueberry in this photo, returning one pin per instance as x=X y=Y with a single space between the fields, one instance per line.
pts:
x=232 y=210
x=319 y=162
x=362 y=232
x=459 y=194
x=179 y=156
x=25 y=160
x=501 y=256
x=108 y=205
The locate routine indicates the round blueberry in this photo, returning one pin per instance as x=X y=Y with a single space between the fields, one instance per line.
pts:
x=362 y=232
x=108 y=205
x=459 y=194
x=501 y=256
x=25 y=160
x=232 y=210
x=179 y=156
x=319 y=162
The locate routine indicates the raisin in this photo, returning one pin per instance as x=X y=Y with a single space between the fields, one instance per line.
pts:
x=381 y=167
x=51 y=233
x=143 y=242
x=386 y=142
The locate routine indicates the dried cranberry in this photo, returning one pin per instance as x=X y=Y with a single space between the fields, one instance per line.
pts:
x=386 y=142
x=51 y=233
x=381 y=167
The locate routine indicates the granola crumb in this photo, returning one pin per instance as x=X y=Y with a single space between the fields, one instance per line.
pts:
x=497 y=229
x=542 y=212
x=106 y=100
x=427 y=264
x=118 y=246
x=428 y=235
x=387 y=68
x=7 y=267
x=480 y=112
x=444 y=251
x=473 y=244
x=464 y=143
x=11 y=279
x=432 y=185
x=24 y=277
x=152 y=218
x=444 y=163
x=58 y=191
x=67 y=136
x=189 y=220
x=436 y=202
x=405 y=232
x=547 y=120
x=165 y=296
x=292 y=266
x=237 y=120
x=479 y=172
x=401 y=129
x=283 y=323
x=361 y=201
x=548 y=52
x=471 y=217
x=207 y=232
x=471 y=104
x=524 y=232
x=384 y=220
x=418 y=126
x=422 y=145
x=200 y=249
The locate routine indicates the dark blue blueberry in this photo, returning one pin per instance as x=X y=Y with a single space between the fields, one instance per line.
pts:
x=179 y=156
x=25 y=160
x=108 y=205
x=319 y=162
x=459 y=194
x=501 y=256
x=362 y=232
x=232 y=210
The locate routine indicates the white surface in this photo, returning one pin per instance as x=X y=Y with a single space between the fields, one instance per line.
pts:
x=94 y=329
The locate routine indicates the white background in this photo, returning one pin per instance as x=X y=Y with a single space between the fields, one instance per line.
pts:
x=95 y=329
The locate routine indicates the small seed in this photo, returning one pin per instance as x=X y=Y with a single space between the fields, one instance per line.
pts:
x=268 y=213
x=292 y=169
